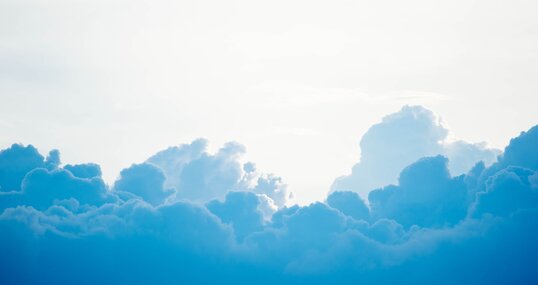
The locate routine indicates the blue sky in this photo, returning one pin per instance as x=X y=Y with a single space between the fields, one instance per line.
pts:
x=287 y=142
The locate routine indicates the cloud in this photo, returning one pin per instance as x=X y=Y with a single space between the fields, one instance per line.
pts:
x=42 y=188
x=266 y=184
x=15 y=162
x=463 y=156
x=522 y=151
x=86 y=170
x=40 y=183
x=136 y=241
x=190 y=216
x=507 y=191
x=240 y=210
x=200 y=176
x=349 y=203
x=174 y=159
x=426 y=195
x=145 y=181
x=399 y=140
x=211 y=176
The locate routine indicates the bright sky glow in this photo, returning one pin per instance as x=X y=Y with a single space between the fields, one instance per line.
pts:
x=297 y=82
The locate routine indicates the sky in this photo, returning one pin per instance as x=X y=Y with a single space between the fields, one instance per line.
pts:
x=296 y=82
x=281 y=142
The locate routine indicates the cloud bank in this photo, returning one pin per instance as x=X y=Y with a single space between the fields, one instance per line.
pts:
x=187 y=216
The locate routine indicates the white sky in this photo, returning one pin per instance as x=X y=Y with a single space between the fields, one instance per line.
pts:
x=296 y=82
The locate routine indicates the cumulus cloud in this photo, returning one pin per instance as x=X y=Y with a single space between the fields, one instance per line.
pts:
x=86 y=170
x=265 y=184
x=399 y=140
x=426 y=195
x=200 y=176
x=349 y=203
x=15 y=162
x=509 y=190
x=240 y=210
x=145 y=181
x=131 y=243
x=522 y=150
x=42 y=188
x=189 y=216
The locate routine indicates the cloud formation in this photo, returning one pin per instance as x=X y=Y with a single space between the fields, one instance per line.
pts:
x=200 y=176
x=189 y=216
x=399 y=140
x=18 y=160
x=145 y=181
x=426 y=195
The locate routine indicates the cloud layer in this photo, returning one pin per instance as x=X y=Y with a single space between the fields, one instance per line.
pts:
x=188 y=216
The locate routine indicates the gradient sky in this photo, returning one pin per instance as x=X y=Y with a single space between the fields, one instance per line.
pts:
x=297 y=82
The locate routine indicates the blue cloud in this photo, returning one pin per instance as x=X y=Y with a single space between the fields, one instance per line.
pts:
x=145 y=181
x=187 y=216
x=507 y=191
x=200 y=176
x=211 y=176
x=15 y=162
x=42 y=188
x=132 y=243
x=86 y=170
x=349 y=203
x=240 y=210
x=426 y=196
x=522 y=150
x=399 y=140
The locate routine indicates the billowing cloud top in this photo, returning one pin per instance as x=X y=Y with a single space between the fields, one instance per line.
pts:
x=437 y=212
x=402 y=138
